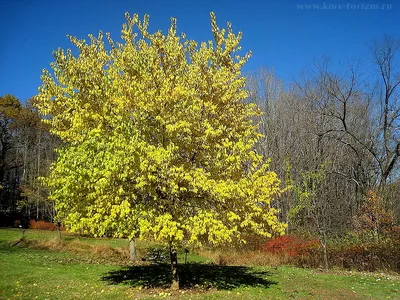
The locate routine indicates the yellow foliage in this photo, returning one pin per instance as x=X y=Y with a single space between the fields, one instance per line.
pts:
x=158 y=138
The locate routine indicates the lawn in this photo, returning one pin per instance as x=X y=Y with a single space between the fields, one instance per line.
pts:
x=27 y=273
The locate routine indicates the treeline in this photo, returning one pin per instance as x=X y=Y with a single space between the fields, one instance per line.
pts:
x=333 y=137
x=26 y=152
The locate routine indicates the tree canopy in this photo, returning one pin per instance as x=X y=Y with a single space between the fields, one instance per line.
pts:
x=158 y=137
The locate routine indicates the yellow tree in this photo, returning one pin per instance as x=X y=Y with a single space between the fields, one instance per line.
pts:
x=158 y=139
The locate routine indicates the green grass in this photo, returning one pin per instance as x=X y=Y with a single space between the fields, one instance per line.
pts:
x=44 y=274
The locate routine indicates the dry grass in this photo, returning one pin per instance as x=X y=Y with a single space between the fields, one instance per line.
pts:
x=97 y=253
x=245 y=258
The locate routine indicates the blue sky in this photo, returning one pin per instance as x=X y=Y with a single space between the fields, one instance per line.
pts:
x=283 y=35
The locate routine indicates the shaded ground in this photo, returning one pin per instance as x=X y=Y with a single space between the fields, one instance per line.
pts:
x=190 y=275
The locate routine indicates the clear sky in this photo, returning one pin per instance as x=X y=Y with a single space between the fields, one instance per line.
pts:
x=284 y=35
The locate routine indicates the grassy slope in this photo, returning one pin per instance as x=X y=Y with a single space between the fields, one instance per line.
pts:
x=43 y=274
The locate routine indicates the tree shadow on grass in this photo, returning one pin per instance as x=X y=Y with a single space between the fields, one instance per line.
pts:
x=190 y=275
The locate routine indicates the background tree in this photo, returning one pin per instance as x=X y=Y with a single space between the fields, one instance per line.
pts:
x=338 y=118
x=37 y=150
x=26 y=153
x=159 y=140
x=10 y=109
x=385 y=53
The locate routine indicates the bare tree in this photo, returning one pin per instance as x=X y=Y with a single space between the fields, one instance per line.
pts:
x=367 y=122
x=292 y=124
x=385 y=53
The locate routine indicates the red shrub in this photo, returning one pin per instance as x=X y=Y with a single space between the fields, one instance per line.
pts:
x=43 y=225
x=289 y=244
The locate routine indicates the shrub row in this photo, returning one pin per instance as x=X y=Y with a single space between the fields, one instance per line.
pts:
x=381 y=254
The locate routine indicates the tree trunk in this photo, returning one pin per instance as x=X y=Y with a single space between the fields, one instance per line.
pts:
x=38 y=188
x=59 y=231
x=174 y=268
x=132 y=249
x=323 y=244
